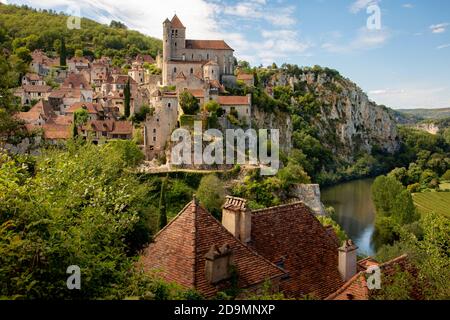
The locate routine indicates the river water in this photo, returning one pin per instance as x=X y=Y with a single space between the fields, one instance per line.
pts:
x=355 y=211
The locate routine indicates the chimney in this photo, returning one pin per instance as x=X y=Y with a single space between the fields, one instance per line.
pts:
x=347 y=260
x=218 y=263
x=237 y=218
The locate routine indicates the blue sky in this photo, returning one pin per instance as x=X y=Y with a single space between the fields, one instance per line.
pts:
x=403 y=64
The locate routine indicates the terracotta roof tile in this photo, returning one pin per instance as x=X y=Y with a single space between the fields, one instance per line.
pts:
x=179 y=250
x=176 y=23
x=207 y=44
x=92 y=108
x=233 y=100
x=291 y=234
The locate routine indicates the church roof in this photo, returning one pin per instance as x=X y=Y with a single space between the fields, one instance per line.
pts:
x=207 y=44
x=179 y=250
x=176 y=23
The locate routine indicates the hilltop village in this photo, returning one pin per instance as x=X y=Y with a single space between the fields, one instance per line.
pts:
x=143 y=101
x=188 y=82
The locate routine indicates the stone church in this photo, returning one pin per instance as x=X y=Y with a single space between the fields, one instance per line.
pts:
x=207 y=60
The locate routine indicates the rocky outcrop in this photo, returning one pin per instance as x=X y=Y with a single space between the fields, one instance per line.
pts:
x=348 y=122
x=309 y=194
x=430 y=127
x=275 y=120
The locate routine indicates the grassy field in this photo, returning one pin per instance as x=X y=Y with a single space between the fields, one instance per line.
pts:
x=438 y=202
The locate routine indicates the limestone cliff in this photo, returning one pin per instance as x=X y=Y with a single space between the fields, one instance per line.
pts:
x=348 y=122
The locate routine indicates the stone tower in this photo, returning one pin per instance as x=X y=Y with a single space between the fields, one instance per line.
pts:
x=178 y=35
x=167 y=49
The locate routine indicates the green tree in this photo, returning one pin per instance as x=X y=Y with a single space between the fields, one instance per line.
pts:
x=63 y=53
x=188 y=103
x=127 y=97
x=162 y=205
x=211 y=194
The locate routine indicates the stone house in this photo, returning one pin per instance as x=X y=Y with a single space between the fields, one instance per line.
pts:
x=159 y=126
x=242 y=105
x=28 y=93
x=38 y=115
x=77 y=64
x=98 y=130
x=95 y=110
x=247 y=78
x=33 y=79
x=285 y=245
x=41 y=63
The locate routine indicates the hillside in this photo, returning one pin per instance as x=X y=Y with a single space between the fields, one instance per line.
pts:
x=424 y=114
x=34 y=29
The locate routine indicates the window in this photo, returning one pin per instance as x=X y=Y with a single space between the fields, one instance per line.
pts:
x=175 y=44
x=104 y=133
x=169 y=105
x=154 y=139
x=192 y=70
x=154 y=130
x=192 y=56
x=174 y=70
x=207 y=56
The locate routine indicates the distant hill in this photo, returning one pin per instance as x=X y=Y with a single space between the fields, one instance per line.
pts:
x=426 y=114
x=22 y=26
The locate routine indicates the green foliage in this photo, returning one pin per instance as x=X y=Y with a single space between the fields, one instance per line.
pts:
x=127 y=98
x=211 y=194
x=79 y=206
x=328 y=221
x=141 y=115
x=428 y=254
x=41 y=29
x=394 y=209
x=162 y=222
x=188 y=103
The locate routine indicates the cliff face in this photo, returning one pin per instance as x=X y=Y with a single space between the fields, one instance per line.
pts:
x=347 y=112
x=348 y=122
x=279 y=120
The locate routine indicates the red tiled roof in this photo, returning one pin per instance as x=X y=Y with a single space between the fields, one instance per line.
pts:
x=233 y=100
x=198 y=93
x=32 y=77
x=42 y=108
x=176 y=23
x=111 y=126
x=75 y=80
x=54 y=131
x=207 y=44
x=31 y=88
x=356 y=288
x=293 y=235
x=92 y=108
x=179 y=250
x=245 y=76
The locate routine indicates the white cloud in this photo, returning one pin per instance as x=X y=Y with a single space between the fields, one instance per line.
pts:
x=444 y=46
x=408 y=6
x=412 y=97
x=439 y=28
x=260 y=10
x=204 y=19
x=359 y=5
x=365 y=39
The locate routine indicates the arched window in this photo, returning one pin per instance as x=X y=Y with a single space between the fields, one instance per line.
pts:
x=169 y=105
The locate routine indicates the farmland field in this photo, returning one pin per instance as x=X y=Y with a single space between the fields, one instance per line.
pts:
x=438 y=202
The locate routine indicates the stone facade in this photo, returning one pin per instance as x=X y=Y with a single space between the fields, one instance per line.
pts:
x=189 y=57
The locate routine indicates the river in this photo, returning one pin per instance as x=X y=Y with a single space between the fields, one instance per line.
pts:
x=355 y=211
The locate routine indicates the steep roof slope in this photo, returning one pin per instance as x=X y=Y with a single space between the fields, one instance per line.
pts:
x=179 y=250
x=291 y=236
